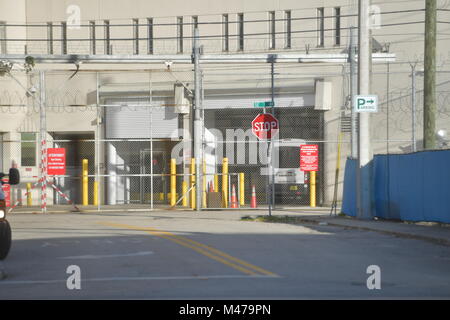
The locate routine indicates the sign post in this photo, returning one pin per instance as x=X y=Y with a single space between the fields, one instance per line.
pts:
x=309 y=161
x=265 y=126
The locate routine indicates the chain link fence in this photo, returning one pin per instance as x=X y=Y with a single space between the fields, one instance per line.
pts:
x=126 y=135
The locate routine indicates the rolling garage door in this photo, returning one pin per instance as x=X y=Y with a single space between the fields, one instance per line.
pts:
x=130 y=120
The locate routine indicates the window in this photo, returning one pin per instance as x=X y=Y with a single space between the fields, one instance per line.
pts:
x=28 y=150
x=337 y=26
x=240 y=31
x=194 y=26
x=287 y=30
x=3 y=46
x=150 y=35
x=107 y=36
x=135 y=36
x=92 y=36
x=180 y=34
x=49 y=38
x=63 y=37
x=320 y=27
x=225 y=33
x=272 y=30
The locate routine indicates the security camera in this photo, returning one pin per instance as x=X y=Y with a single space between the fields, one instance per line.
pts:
x=31 y=91
x=168 y=64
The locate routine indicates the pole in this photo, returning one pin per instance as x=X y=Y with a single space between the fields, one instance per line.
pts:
x=312 y=194
x=85 y=187
x=43 y=139
x=225 y=182
x=150 y=94
x=413 y=106
x=241 y=189
x=271 y=174
x=97 y=144
x=197 y=121
x=29 y=199
x=364 y=152
x=429 y=89
x=193 y=176
x=173 y=182
x=204 y=202
x=353 y=91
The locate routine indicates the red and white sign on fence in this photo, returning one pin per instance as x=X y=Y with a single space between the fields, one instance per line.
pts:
x=309 y=157
x=7 y=192
x=56 y=161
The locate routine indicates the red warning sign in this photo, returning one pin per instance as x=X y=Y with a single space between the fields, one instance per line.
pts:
x=309 y=157
x=56 y=161
x=7 y=192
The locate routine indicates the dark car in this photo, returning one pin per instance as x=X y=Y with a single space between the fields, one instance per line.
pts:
x=5 y=228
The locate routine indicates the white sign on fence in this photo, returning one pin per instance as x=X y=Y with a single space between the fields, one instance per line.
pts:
x=365 y=104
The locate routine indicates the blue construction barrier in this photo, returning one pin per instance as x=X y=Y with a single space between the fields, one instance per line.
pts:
x=407 y=187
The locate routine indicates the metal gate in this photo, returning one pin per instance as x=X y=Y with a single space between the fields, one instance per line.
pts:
x=153 y=179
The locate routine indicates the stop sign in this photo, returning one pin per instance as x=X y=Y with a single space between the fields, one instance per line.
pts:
x=265 y=126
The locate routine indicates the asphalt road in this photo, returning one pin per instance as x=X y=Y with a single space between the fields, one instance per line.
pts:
x=214 y=255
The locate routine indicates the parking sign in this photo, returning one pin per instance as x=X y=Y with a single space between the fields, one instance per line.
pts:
x=365 y=103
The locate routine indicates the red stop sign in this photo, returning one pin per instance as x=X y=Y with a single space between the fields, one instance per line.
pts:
x=265 y=126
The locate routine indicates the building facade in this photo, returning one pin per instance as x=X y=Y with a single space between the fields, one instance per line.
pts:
x=129 y=117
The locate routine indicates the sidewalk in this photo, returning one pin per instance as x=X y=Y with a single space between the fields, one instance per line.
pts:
x=428 y=231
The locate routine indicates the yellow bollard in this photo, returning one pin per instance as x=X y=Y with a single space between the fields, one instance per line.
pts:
x=241 y=189
x=173 y=182
x=85 y=182
x=95 y=200
x=204 y=205
x=192 y=183
x=216 y=183
x=225 y=183
x=184 y=188
x=312 y=188
x=29 y=201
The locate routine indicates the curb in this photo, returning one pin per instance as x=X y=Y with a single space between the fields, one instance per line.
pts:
x=399 y=234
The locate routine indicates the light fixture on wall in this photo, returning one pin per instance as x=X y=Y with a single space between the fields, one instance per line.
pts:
x=442 y=140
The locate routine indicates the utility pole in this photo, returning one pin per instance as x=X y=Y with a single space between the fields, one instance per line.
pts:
x=353 y=91
x=413 y=107
x=429 y=85
x=364 y=175
x=197 y=122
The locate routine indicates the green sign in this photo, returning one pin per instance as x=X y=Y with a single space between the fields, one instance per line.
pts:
x=263 y=104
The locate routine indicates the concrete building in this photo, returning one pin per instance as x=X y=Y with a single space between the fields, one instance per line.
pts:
x=128 y=118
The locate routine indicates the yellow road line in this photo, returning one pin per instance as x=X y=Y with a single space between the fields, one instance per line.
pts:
x=210 y=252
